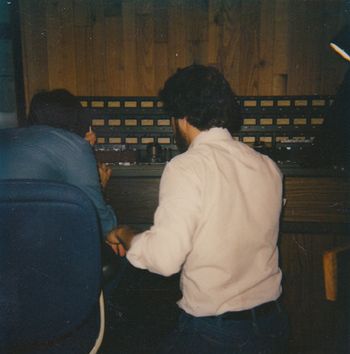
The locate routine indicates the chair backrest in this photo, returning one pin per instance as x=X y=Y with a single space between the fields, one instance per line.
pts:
x=336 y=270
x=50 y=266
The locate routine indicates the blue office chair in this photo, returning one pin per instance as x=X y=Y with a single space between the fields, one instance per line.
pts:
x=50 y=269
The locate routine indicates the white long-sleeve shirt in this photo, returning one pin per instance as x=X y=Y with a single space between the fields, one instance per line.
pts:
x=218 y=222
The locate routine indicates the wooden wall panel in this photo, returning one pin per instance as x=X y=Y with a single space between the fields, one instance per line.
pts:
x=314 y=321
x=145 y=66
x=213 y=31
x=129 y=52
x=34 y=43
x=161 y=32
x=229 y=41
x=300 y=70
x=61 y=44
x=83 y=48
x=266 y=41
x=178 y=49
x=129 y=47
x=332 y=63
x=197 y=31
x=99 y=48
x=281 y=39
x=249 y=55
x=308 y=52
x=114 y=60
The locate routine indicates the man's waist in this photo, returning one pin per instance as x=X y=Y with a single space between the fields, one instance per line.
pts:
x=255 y=312
x=250 y=314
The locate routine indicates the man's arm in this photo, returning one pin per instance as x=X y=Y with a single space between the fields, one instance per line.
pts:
x=164 y=247
x=78 y=167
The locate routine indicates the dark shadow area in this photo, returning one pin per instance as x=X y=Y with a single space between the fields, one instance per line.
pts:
x=140 y=312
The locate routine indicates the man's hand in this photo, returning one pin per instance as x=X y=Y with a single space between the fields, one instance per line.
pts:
x=105 y=174
x=90 y=136
x=120 y=239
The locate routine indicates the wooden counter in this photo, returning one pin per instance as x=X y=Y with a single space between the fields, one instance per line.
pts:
x=315 y=219
x=315 y=199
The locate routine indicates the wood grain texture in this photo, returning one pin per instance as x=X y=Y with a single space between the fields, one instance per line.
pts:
x=281 y=45
x=134 y=199
x=266 y=43
x=99 y=48
x=129 y=47
x=317 y=200
x=83 y=47
x=115 y=68
x=248 y=47
x=229 y=42
x=178 y=46
x=61 y=45
x=34 y=46
x=314 y=321
x=309 y=200
x=145 y=67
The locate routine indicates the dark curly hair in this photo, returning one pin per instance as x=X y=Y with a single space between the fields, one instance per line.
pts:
x=203 y=95
x=59 y=109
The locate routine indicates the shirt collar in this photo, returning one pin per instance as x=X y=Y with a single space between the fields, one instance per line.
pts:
x=211 y=135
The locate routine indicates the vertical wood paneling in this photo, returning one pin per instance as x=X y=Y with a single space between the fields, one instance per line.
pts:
x=129 y=47
x=61 y=45
x=178 y=53
x=280 y=50
x=266 y=41
x=115 y=67
x=54 y=44
x=299 y=69
x=214 y=31
x=99 y=45
x=161 y=66
x=333 y=66
x=83 y=47
x=250 y=22
x=145 y=67
x=129 y=33
x=308 y=47
x=314 y=320
x=34 y=46
x=160 y=44
x=197 y=33
x=229 y=41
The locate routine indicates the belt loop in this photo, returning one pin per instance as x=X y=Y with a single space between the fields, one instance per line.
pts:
x=255 y=322
x=279 y=307
x=253 y=314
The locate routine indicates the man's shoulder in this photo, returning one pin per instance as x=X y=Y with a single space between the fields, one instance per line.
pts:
x=184 y=159
x=38 y=131
x=189 y=163
x=52 y=135
x=54 y=132
x=45 y=137
x=68 y=142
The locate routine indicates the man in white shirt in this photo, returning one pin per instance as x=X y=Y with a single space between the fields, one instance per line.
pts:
x=217 y=222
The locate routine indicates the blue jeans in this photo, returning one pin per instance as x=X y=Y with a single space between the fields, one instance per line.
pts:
x=265 y=334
